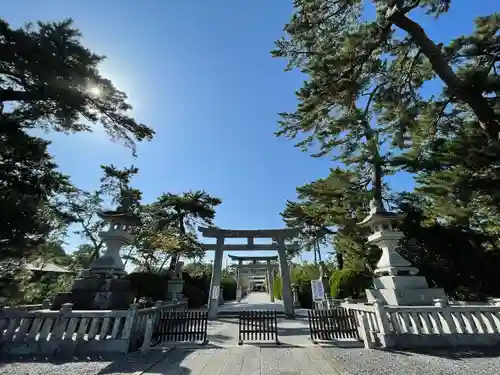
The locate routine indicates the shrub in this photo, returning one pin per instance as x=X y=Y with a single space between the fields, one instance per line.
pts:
x=196 y=289
x=229 y=285
x=277 y=288
x=349 y=283
x=148 y=285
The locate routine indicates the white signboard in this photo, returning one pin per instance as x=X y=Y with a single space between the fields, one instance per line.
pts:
x=215 y=292
x=318 y=290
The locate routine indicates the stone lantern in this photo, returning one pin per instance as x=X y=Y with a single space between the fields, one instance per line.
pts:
x=103 y=286
x=396 y=281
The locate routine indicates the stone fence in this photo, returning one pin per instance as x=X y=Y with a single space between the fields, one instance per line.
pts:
x=39 y=306
x=330 y=301
x=72 y=332
x=441 y=325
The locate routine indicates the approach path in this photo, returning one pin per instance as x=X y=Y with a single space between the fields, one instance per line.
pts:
x=253 y=301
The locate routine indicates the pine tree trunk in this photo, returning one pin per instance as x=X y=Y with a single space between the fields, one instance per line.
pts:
x=377 y=180
x=377 y=163
x=340 y=260
x=175 y=257
x=485 y=113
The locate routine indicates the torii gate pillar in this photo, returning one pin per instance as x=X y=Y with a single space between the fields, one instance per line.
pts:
x=270 y=288
x=213 y=298
x=285 y=278
x=238 y=282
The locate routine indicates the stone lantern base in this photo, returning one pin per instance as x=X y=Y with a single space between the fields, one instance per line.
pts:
x=175 y=288
x=403 y=291
x=97 y=292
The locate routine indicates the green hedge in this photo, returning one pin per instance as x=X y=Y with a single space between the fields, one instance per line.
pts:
x=196 y=289
x=229 y=291
x=148 y=285
x=349 y=283
x=277 y=288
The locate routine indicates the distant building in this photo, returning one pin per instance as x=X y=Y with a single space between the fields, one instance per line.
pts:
x=47 y=267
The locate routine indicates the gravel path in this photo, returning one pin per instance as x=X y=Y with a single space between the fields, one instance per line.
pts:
x=109 y=365
x=432 y=362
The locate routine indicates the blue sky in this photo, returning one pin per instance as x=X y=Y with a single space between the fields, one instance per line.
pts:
x=200 y=73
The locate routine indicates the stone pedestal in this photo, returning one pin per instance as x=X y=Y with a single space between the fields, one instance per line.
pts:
x=175 y=289
x=403 y=290
x=396 y=281
x=97 y=293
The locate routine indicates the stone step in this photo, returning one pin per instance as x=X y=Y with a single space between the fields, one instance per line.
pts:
x=235 y=314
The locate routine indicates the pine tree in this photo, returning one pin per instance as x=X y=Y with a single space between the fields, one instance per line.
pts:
x=385 y=61
x=49 y=79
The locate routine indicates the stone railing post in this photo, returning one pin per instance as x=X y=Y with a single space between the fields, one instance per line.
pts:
x=159 y=310
x=384 y=325
x=46 y=304
x=365 y=333
x=444 y=306
x=64 y=315
x=129 y=328
x=148 y=333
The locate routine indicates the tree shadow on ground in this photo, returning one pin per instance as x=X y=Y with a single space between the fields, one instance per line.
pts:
x=293 y=331
x=171 y=360
x=269 y=345
x=89 y=364
x=242 y=306
x=223 y=320
x=219 y=338
x=453 y=353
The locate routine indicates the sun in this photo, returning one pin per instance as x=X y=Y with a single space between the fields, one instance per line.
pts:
x=94 y=91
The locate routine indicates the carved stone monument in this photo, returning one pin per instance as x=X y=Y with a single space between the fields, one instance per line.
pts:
x=175 y=283
x=396 y=281
x=103 y=286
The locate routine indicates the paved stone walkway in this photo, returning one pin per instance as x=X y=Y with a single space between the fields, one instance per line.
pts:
x=253 y=301
x=250 y=360
x=257 y=301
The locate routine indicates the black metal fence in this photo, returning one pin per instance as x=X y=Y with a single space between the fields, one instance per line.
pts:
x=258 y=326
x=335 y=323
x=181 y=326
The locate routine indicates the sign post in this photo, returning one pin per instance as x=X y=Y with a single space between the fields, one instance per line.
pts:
x=215 y=292
x=318 y=290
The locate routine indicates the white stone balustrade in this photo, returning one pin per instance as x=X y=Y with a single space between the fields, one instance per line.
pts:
x=440 y=325
x=75 y=332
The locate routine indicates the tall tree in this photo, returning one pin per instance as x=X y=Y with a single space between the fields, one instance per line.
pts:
x=49 y=79
x=184 y=211
x=363 y=100
x=29 y=185
x=84 y=207
x=337 y=203
x=386 y=61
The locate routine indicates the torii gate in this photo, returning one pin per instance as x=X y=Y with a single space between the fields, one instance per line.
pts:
x=278 y=235
x=267 y=266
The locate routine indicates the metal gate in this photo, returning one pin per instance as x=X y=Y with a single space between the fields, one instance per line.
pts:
x=181 y=326
x=332 y=324
x=258 y=326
